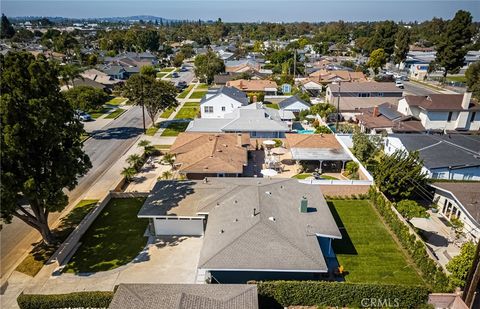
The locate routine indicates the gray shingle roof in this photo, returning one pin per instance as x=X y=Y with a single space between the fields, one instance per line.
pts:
x=185 y=296
x=231 y=92
x=291 y=100
x=439 y=151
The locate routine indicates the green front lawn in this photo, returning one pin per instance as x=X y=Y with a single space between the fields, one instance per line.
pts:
x=459 y=79
x=116 y=113
x=116 y=101
x=202 y=86
x=166 y=113
x=188 y=110
x=167 y=70
x=152 y=130
x=197 y=94
x=367 y=250
x=302 y=176
x=98 y=113
x=161 y=75
x=185 y=92
x=174 y=128
x=35 y=260
x=114 y=239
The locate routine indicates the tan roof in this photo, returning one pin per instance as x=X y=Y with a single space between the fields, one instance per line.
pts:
x=355 y=103
x=312 y=141
x=322 y=63
x=379 y=121
x=325 y=76
x=252 y=85
x=210 y=153
x=365 y=87
x=440 y=102
x=242 y=68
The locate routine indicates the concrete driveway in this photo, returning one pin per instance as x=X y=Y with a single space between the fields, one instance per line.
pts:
x=169 y=259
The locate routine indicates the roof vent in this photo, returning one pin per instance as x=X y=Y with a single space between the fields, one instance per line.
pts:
x=303 y=204
x=222 y=231
x=268 y=193
x=254 y=212
x=281 y=187
x=272 y=219
x=235 y=220
x=205 y=180
x=235 y=201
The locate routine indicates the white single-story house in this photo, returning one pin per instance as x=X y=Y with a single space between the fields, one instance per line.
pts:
x=460 y=200
x=294 y=104
x=253 y=228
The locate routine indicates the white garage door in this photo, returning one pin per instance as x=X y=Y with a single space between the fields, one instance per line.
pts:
x=179 y=226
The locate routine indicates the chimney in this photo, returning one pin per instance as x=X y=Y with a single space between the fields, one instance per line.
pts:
x=239 y=140
x=254 y=99
x=467 y=97
x=303 y=204
x=375 y=111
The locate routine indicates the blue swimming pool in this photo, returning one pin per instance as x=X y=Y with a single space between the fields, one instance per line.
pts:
x=305 y=131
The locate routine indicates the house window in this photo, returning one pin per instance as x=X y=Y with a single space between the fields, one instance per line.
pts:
x=208 y=109
x=364 y=95
x=449 y=116
x=223 y=108
x=472 y=117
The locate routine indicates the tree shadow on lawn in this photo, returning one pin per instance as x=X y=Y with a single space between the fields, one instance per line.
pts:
x=344 y=245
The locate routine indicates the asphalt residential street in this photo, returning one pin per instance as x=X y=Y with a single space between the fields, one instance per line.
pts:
x=417 y=89
x=104 y=148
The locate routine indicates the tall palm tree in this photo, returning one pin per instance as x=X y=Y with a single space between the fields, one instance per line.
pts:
x=169 y=159
x=128 y=173
x=135 y=161
x=167 y=175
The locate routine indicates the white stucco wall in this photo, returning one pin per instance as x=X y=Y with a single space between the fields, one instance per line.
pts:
x=217 y=103
x=178 y=226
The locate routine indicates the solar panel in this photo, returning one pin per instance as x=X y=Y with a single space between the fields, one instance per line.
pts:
x=388 y=112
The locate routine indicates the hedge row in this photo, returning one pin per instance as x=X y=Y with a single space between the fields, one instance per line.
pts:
x=72 y=300
x=432 y=274
x=322 y=293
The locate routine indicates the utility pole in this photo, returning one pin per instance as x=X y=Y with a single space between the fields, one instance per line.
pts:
x=294 y=63
x=338 y=107
x=473 y=279
x=143 y=105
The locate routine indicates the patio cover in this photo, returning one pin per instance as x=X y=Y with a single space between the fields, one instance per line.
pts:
x=319 y=154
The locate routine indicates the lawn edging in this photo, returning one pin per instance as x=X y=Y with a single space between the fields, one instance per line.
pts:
x=339 y=294
x=411 y=242
x=68 y=247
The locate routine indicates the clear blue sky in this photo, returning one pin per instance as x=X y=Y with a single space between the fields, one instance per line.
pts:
x=247 y=10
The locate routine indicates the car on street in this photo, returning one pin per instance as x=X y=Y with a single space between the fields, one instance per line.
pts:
x=175 y=75
x=183 y=69
x=82 y=116
x=399 y=84
x=181 y=85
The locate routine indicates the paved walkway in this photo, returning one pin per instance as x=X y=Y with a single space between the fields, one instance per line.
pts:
x=164 y=260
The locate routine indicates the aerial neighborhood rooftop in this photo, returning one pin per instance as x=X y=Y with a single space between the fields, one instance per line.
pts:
x=154 y=162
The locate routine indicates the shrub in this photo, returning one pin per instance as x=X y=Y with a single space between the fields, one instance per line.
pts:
x=321 y=293
x=351 y=169
x=278 y=142
x=95 y=299
x=431 y=272
x=410 y=209
x=323 y=130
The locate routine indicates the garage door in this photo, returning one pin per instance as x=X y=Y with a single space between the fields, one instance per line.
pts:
x=179 y=226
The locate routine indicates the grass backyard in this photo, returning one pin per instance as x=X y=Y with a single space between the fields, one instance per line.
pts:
x=116 y=113
x=198 y=94
x=188 y=110
x=174 y=128
x=367 y=250
x=185 y=92
x=306 y=175
x=114 y=239
x=35 y=260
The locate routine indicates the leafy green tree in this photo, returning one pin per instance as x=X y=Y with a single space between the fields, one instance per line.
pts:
x=410 y=209
x=41 y=148
x=473 y=79
x=148 y=70
x=451 y=49
x=377 y=59
x=384 y=37
x=323 y=130
x=86 y=98
x=187 y=51
x=70 y=72
x=351 y=169
x=23 y=35
x=148 y=40
x=155 y=95
x=323 y=109
x=399 y=175
x=461 y=264
x=178 y=60
x=7 y=31
x=402 y=45
x=92 y=59
x=207 y=65
x=365 y=147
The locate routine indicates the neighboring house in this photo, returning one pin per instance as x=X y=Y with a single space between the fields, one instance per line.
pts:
x=257 y=120
x=451 y=156
x=253 y=228
x=294 y=104
x=218 y=102
x=185 y=296
x=386 y=118
x=351 y=96
x=327 y=77
x=113 y=71
x=318 y=151
x=266 y=86
x=443 y=112
x=243 y=65
x=100 y=77
x=312 y=87
x=198 y=155
x=460 y=200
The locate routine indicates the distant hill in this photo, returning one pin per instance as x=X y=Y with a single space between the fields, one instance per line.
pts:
x=125 y=19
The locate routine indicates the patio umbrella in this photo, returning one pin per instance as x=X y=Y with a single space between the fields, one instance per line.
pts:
x=279 y=151
x=269 y=172
x=269 y=143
